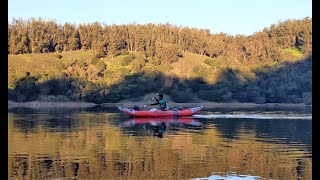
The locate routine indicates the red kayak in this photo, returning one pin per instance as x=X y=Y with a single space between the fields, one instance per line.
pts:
x=160 y=113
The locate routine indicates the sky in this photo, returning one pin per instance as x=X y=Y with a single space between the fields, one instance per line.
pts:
x=229 y=16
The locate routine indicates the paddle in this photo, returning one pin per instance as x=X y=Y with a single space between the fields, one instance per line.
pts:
x=151 y=99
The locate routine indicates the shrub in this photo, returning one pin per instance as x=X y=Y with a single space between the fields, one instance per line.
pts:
x=132 y=56
x=295 y=99
x=59 y=56
x=60 y=66
x=100 y=54
x=112 y=96
x=28 y=88
x=92 y=72
x=100 y=74
x=13 y=95
x=56 y=87
x=227 y=96
x=260 y=100
x=137 y=64
x=307 y=97
x=240 y=96
x=11 y=81
x=195 y=87
x=210 y=95
x=101 y=66
x=94 y=61
x=196 y=69
x=253 y=95
x=200 y=71
x=52 y=98
x=45 y=50
x=208 y=61
x=124 y=52
x=291 y=54
x=125 y=61
x=180 y=96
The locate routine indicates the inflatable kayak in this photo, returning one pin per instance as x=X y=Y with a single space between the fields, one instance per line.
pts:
x=160 y=113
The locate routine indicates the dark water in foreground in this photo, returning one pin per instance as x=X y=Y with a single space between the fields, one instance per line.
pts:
x=101 y=143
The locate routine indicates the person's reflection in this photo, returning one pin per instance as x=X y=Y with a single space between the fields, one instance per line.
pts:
x=158 y=126
x=75 y=167
x=158 y=130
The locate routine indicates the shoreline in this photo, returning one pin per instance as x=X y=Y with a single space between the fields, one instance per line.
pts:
x=42 y=104
x=216 y=105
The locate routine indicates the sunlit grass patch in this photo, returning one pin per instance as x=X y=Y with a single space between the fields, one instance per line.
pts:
x=291 y=54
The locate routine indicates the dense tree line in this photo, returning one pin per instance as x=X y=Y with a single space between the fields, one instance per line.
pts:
x=160 y=43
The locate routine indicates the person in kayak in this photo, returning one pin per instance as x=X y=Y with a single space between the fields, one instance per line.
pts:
x=162 y=102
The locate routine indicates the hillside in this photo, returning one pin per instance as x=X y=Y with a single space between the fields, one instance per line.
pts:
x=80 y=76
x=101 y=63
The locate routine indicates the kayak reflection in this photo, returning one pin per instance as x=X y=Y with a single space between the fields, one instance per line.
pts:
x=158 y=121
x=160 y=125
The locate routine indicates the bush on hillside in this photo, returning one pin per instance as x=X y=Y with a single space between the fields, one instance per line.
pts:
x=124 y=52
x=101 y=66
x=100 y=54
x=94 y=61
x=45 y=50
x=56 y=86
x=59 y=56
x=227 y=97
x=260 y=100
x=52 y=98
x=26 y=87
x=180 y=96
x=196 y=69
x=208 y=61
x=240 y=96
x=211 y=95
x=307 y=97
x=295 y=98
x=111 y=97
x=125 y=61
x=138 y=64
x=15 y=96
x=132 y=56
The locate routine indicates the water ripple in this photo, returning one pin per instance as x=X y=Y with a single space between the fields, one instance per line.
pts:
x=249 y=116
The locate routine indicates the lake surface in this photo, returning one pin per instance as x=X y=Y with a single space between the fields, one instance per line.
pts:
x=102 y=143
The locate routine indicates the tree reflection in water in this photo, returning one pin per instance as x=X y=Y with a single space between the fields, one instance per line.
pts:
x=101 y=145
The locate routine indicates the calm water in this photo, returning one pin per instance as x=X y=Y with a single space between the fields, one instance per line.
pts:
x=101 y=143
